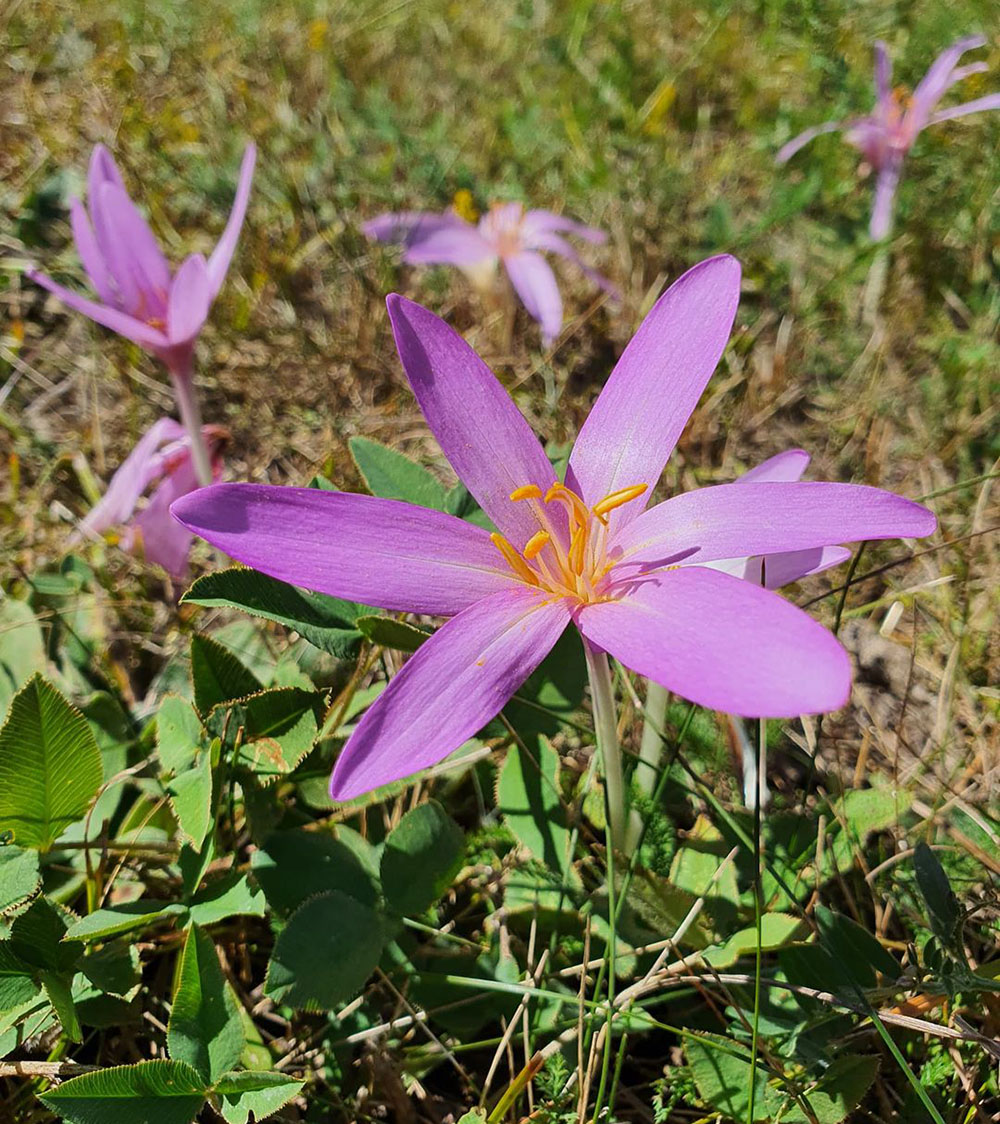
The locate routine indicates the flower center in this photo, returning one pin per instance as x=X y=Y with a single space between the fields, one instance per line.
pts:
x=566 y=562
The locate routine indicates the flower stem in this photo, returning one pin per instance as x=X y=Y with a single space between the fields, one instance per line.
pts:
x=650 y=749
x=606 y=729
x=190 y=411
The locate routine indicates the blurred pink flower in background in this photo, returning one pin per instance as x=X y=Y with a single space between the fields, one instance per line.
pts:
x=161 y=460
x=506 y=233
x=887 y=134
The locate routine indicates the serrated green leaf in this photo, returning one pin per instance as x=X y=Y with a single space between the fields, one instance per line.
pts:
x=36 y=936
x=942 y=906
x=17 y=980
x=326 y=622
x=395 y=477
x=179 y=734
x=325 y=953
x=191 y=799
x=849 y=943
x=217 y=675
x=19 y=877
x=390 y=633
x=528 y=800
x=205 y=1029
x=59 y=993
x=837 y=1094
x=50 y=766
x=260 y=1093
x=156 y=1092
x=777 y=930
x=293 y=866
x=473 y=1116
x=113 y=969
x=664 y=906
x=279 y=727
x=421 y=855
x=231 y=896
x=721 y=1072
x=129 y=918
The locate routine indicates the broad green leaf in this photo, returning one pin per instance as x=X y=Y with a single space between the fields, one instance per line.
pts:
x=260 y=1093
x=22 y=647
x=326 y=622
x=279 y=728
x=17 y=980
x=528 y=800
x=50 y=766
x=849 y=943
x=395 y=477
x=391 y=633
x=721 y=1072
x=777 y=930
x=838 y=1092
x=156 y=1092
x=864 y=811
x=473 y=1116
x=179 y=734
x=293 y=866
x=324 y=954
x=113 y=969
x=942 y=906
x=37 y=936
x=191 y=799
x=421 y=855
x=129 y=918
x=59 y=992
x=230 y=896
x=205 y=1028
x=217 y=675
x=19 y=877
x=664 y=906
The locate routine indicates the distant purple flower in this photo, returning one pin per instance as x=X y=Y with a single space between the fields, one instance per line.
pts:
x=506 y=233
x=636 y=584
x=139 y=298
x=161 y=460
x=887 y=134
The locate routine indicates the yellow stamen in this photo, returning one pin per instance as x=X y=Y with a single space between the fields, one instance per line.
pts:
x=617 y=499
x=537 y=543
x=569 y=499
x=577 y=547
x=514 y=560
x=526 y=492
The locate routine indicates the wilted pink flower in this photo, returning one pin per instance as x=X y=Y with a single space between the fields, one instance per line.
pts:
x=139 y=297
x=506 y=233
x=161 y=460
x=636 y=583
x=887 y=134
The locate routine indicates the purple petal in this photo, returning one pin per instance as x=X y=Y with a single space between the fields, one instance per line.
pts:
x=786 y=466
x=431 y=239
x=556 y=244
x=137 y=471
x=102 y=169
x=648 y=398
x=380 y=552
x=449 y=689
x=784 y=568
x=401 y=226
x=189 y=301
x=989 y=101
x=131 y=253
x=135 y=330
x=90 y=255
x=479 y=429
x=885 y=195
x=724 y=644
x=536 y=285
x=741 y=520
x=883 y=72
x=936 y=81
x=164 y=541
x=787 y=151
x=537 y=222
x=222 y=255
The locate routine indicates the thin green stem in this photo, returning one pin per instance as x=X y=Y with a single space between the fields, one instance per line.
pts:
x=190 y=411
x=606 y=729
x=758 y=911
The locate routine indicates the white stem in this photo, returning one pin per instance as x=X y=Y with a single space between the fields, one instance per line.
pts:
x=606 y=728
x=190 y=411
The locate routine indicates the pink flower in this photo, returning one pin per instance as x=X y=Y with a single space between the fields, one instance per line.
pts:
x=887 y=134
x=161 y=460
x=636 y=583
x=506 y=233
x=139 y=297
